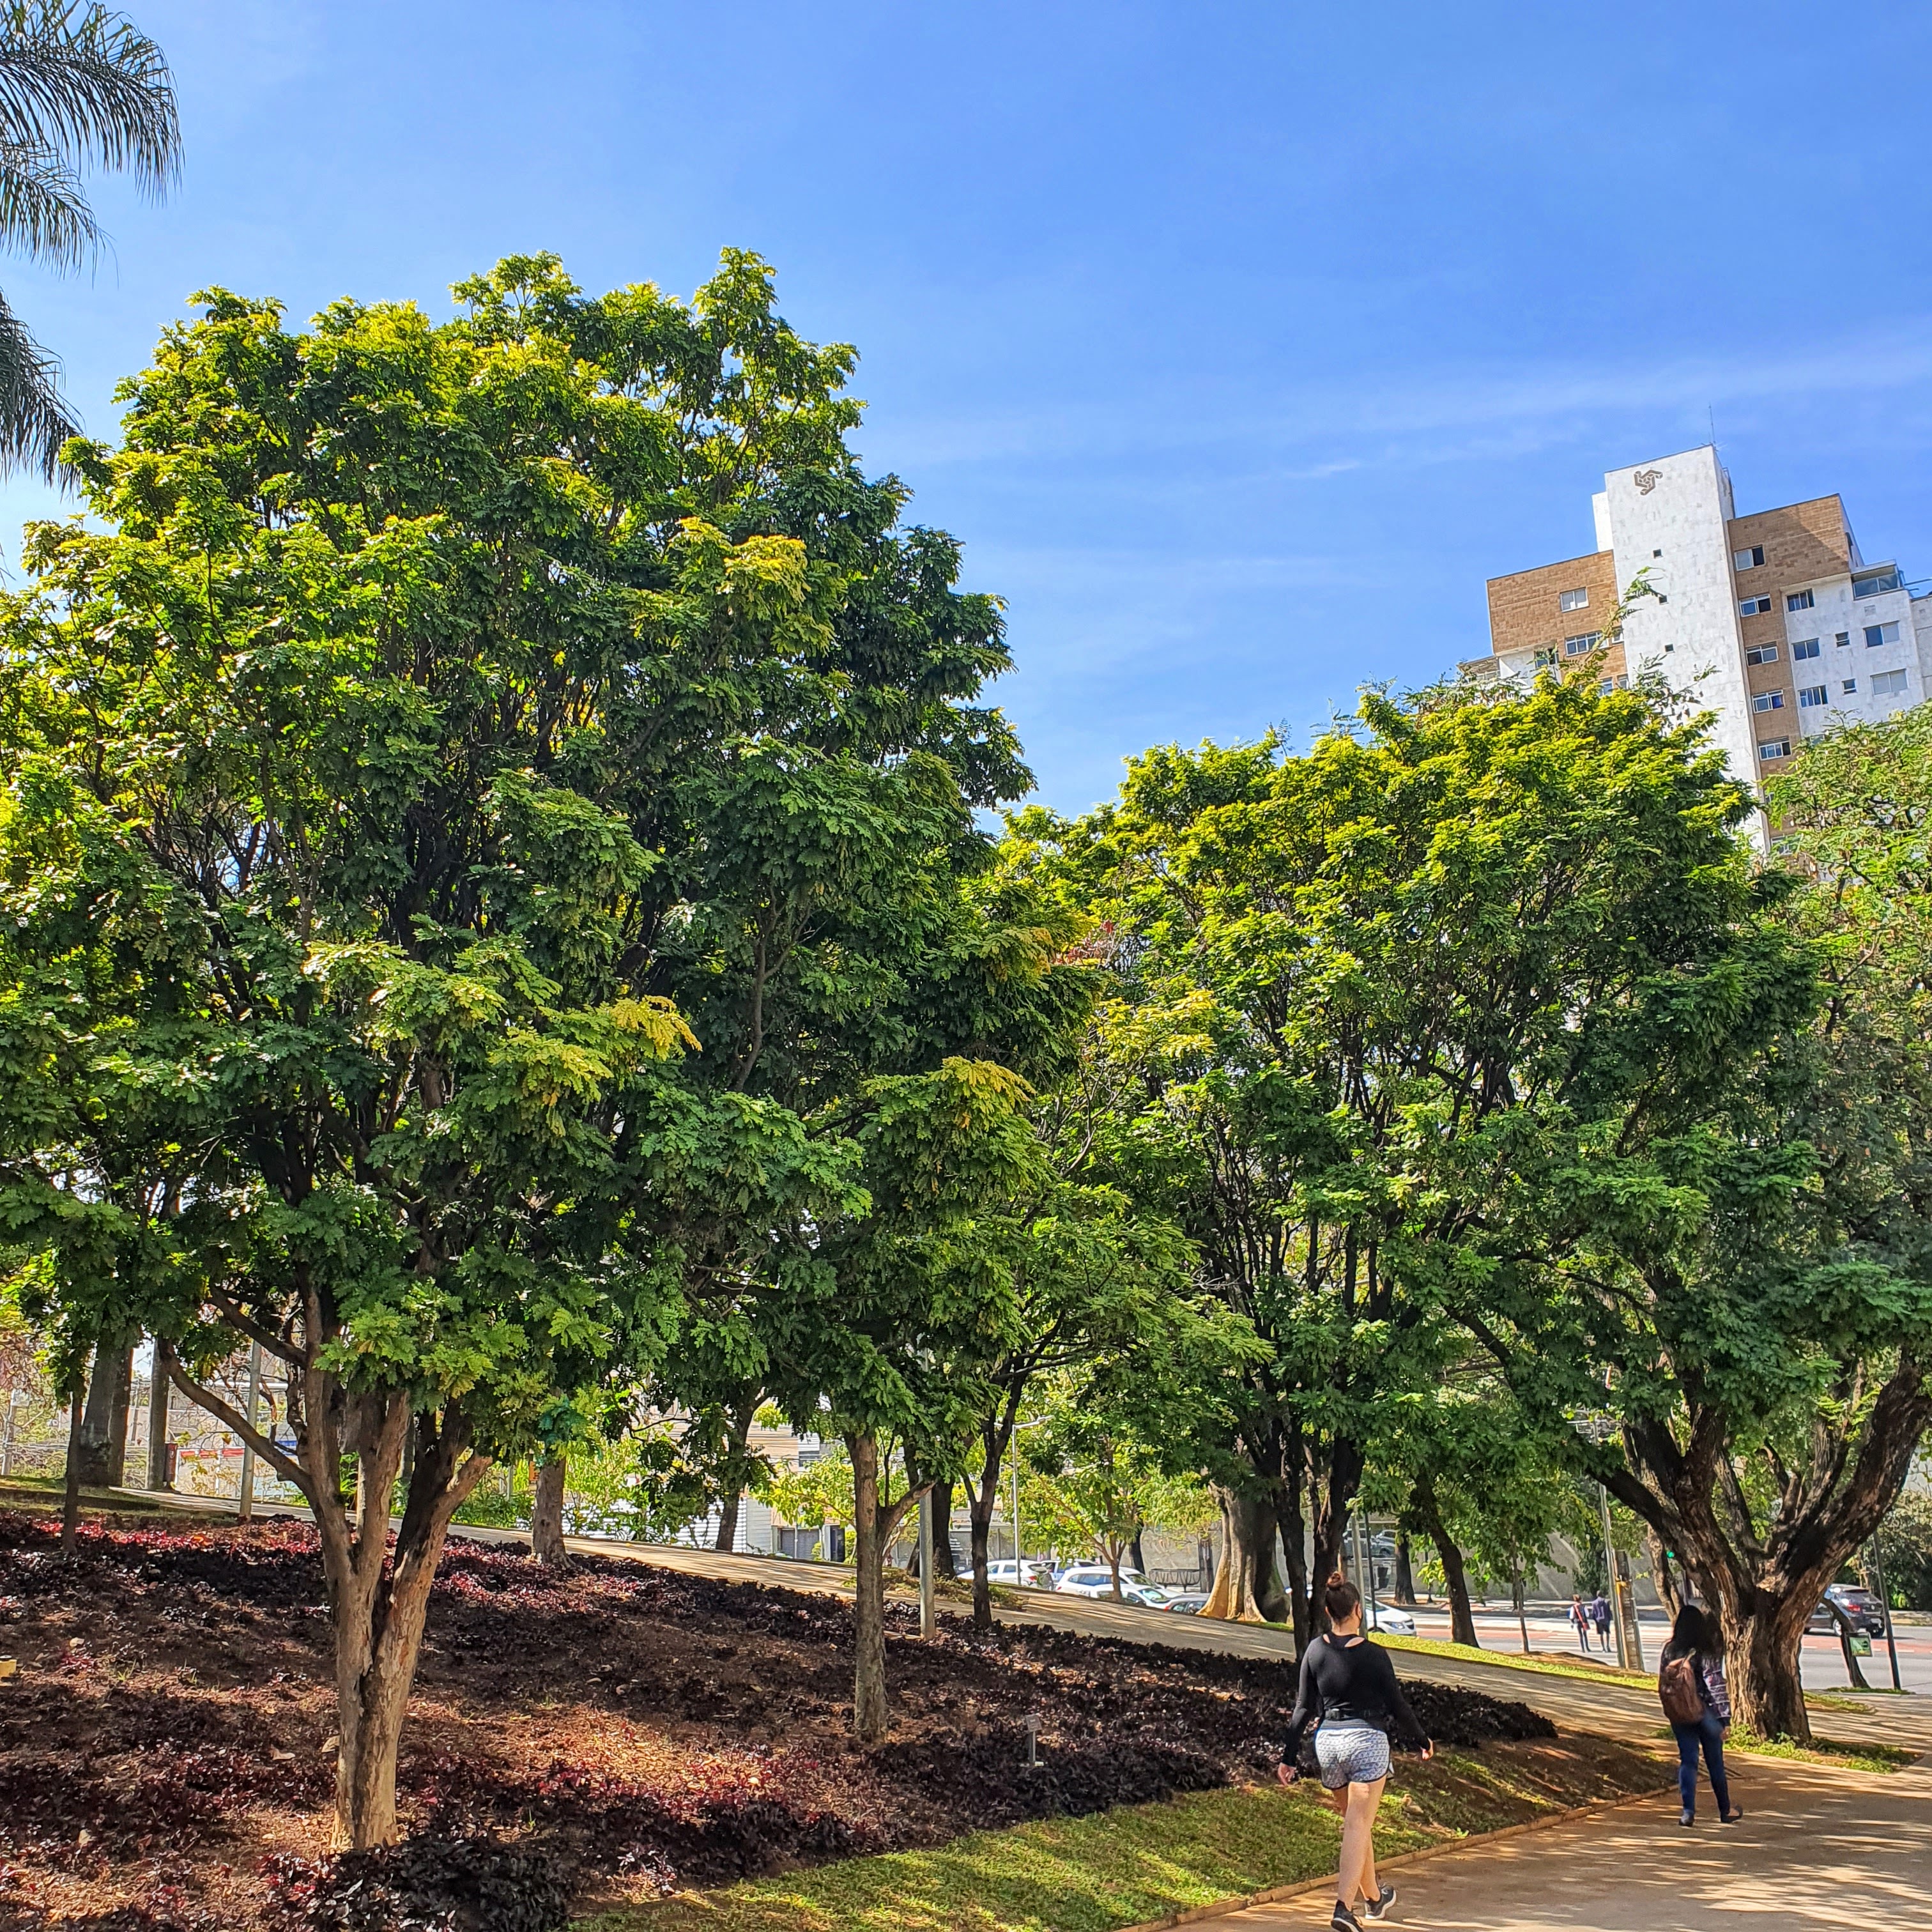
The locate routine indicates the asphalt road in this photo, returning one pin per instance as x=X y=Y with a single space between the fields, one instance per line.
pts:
x=1824 y=1664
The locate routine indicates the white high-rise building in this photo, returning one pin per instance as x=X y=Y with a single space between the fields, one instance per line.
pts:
x=1773 y=620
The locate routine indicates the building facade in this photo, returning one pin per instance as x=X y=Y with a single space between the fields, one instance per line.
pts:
x=1772 y=621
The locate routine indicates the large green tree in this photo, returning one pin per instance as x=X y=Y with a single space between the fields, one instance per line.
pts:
x=1747 y=1293
x=440 y=795
x=1378 y=967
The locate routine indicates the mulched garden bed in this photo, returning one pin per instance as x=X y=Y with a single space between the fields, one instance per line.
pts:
x=615 y=1730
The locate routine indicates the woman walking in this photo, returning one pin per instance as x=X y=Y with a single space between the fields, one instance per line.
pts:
x=1349 y=1684
x=1690 y=1684
x=1579 y=1621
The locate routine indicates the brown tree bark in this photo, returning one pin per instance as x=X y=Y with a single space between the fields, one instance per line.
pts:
x=1461 y=1624
x=737 y=1434
x=70 y=1486
x=103 y=1431
x=876 y=1525
x=1405 y=1572
x=1247 y=1587
x=1664 y=1574
x=546 y=1511
x=944 y=1563
x=378 y=1598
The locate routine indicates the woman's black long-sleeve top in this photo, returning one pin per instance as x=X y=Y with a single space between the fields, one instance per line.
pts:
x=1351 y=1682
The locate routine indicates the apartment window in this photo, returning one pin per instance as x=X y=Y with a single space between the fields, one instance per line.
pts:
x=1769 y=700
x=1579 y=647
x=1774 y=748
x=1798 y=600
x=1574 y=600
x=1748 y=559
x=1811 y=694
x=1876 y=635
x=1875 y=582
x=1888 y=683
x=1610 y=684
x=1805 y=647
x=1843 y=638
x=1546 y=654
x=1850 y=685
x=1755 y=607
x=1762 y=654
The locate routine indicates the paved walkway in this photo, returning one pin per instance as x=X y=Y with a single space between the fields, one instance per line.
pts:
x=1816 y=1849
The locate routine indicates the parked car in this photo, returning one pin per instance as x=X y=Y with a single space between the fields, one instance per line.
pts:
x=1093 y=1580
x=1148 y=1596
x=1387 y=1617
x=1186 y=1602
x=1038 y=1573
x=1861 y=1608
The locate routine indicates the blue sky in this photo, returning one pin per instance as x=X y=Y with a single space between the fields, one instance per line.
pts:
x=1239 y=343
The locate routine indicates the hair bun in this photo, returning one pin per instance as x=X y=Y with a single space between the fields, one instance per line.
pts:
x=1337 y=1577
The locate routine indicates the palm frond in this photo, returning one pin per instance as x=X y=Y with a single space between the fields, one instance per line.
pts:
x=42 y=211
x=33 y=422
x=86 y=84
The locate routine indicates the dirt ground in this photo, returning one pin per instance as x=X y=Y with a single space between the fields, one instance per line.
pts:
x=167 y=1748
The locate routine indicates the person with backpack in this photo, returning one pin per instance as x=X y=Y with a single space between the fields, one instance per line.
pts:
x=1579 y=1619
x=1690 y=1686
x=1350 y=1685
x=1600 y=1615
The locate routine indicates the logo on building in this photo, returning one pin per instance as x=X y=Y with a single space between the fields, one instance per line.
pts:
x=1647 y=480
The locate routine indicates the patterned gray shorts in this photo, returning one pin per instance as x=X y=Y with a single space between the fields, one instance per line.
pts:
x=1351 y=1754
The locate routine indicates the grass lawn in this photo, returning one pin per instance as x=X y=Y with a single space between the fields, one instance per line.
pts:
x=1543 y=1665
x=1821 y=1751
x=1121 y=1867
x=41 y=1494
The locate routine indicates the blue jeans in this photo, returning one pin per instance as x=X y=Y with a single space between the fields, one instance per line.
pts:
x=1708 y=1731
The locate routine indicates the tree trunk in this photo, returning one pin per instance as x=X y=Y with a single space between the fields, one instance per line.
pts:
x=378 y=1599
x=1330 y=1513
x=1461 y=1624
x=979 y=1517
x=1761 y=1666
x=1854 y=1676
x=160 y=1387
x=546 y=1511
x=727 y=1538
x=380 y=1609
x=1664 y=1574
x=942 y=1565
x=1247 y=1588
x=70 y=1496
x=1294 y=1549
x=104 y=1432
x=1405 y=1572
x=870 y=1715
x=1139 y=1557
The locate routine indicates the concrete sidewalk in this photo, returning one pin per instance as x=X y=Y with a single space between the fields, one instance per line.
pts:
x=1816 y=1849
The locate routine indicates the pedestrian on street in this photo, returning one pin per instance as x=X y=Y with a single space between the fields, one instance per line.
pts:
x=1600 y=1615
x=1579 y=1619
x=1690 y=1685
x=1350 y=1685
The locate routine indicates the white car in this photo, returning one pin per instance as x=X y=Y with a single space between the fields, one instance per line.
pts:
x=1089 y=1579
x=1038 y=1573
x=1386 y=1617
